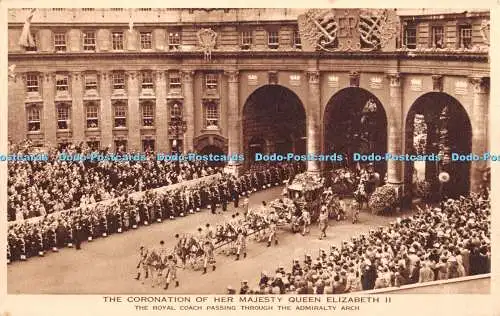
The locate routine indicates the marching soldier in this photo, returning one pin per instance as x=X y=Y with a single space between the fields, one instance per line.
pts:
x=153 y=265
x=142 y=265
x=209 y=233
x=306 y=219
x=241 y=244
x=272 y=219
x=171 y=272
x=245 y=206
x=323 y=222
x=209 y=258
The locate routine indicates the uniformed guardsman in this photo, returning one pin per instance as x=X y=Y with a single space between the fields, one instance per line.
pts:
x=241 y=244
x=142 y=266
x=208 y=256
x=323 y=222
x=170 y=272
x=306 y=220
x=272 y=219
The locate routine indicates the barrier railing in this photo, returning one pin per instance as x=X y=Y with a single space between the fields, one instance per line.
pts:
x=429 y=284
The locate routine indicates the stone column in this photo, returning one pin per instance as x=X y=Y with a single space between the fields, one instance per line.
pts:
x=234 y=120
x=480 y=102
x=134 y=115
x=49 y=123
x=106 y=111
x=395 y=130
x=188 y=111
x=313 y=120
x=78 y=115
x=161 y=112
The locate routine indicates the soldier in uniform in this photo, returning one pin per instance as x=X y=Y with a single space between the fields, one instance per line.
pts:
x=306 y=220
x=213 y=202
x=245 y=207
x=170 y=271
x=153 y=263
x=241 y=244
x=208 y=256
x=323 y=222
x=142 y=266
x=223 y=198
x=272 y=219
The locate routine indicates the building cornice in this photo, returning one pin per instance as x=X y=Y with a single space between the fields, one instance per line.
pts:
x=398 y=55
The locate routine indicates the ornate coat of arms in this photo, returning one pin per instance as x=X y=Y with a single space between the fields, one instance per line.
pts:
x=348 y=29
x=207 y=39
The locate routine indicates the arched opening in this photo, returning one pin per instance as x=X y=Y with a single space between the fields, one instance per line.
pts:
x=274 y=121
x=438 y=124
x=214 y=150
x=355 y=122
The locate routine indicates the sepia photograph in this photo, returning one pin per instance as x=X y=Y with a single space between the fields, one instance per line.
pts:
x=248 y=151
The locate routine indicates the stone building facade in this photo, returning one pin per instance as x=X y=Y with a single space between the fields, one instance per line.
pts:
x=113 y=77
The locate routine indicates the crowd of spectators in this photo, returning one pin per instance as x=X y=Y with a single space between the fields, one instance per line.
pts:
x=436 y=243
x=37 y=188
x=87 y=222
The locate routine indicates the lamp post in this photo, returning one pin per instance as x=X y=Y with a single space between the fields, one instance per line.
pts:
x=177 y=127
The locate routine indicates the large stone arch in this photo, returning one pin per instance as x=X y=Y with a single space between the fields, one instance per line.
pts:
x=434 y=113
x=354 y=120
x=276 y=115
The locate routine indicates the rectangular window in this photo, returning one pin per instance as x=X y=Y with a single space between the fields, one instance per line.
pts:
x=246 y=39
x=60 y=42
x=32 y=83
x=91 y=84
x=410 y=36
x=117 y=40
x=89 y=41
x=211 y=115
x=297 y=42
x=174 y=81
x=92 y=116
x=175 y=110
x=33 y=118
x=273 y=39
x=438 y=37
x=148 y=145
x=120 y=115
x=34 y=47
x=62 y=116
x=94 y=145
x=174 y=40
x=465 y=36
x=211 y=81
x=146 y=40
x=118 y=81
x=148 y=114
x=147 y=80
x=62 y=83
x=121 y=145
